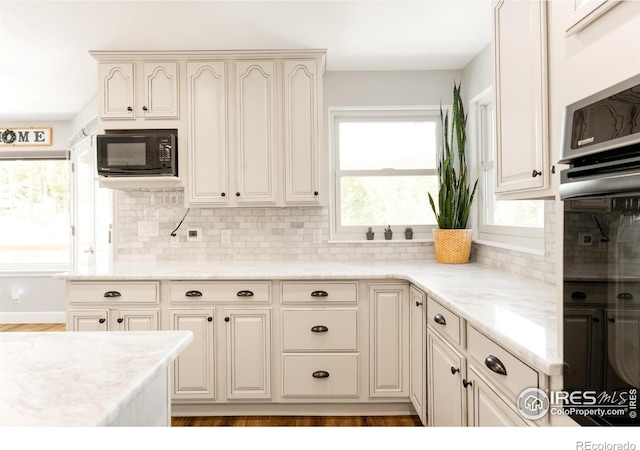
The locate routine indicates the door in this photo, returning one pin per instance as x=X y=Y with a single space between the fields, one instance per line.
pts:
x=486 y=408
x=193 y=369
x=583 y=330
x=255 y=125
x=417 y=354
x=447 y=403
x=117 y=91
x=160 y=90
x=88 y=320
x=92 y=207
x=137 y=320
x=248 y=353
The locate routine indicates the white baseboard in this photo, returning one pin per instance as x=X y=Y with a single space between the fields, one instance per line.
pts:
x=34 y=317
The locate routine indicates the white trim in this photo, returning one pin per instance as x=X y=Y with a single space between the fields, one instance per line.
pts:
x=34 y=317
x=510 y=246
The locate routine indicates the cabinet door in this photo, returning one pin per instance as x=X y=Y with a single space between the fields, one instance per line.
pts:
x=160 y=90
x=88 y=320
x=137 y=320
x=255 y=125
x=447 y=402
x=487 y=408
x=193 y=369
x=248 y=353
x=116 y=91
x=389 y=341
x=583 y=344
x=417 y=352
x=207 y=183
x=521 y=96
x=302 y=131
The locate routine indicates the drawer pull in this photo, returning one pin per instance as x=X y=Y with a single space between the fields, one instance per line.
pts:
x=111 y=294
x=193 y=294
x=454 y=370
x=319 y=329
x=439 y=319
x=624 y=296
x=244 y=294
x=495 y=365
x=120 y=320
x=320 y=374
x=578 y=295
x=102 y=320
x=319 y=294
x=466 y=383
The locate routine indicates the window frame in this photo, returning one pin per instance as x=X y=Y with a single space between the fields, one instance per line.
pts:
x=337 y=115
x=531 y=239
x=36 y=269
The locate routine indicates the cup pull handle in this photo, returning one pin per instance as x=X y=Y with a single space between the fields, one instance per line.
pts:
x=319 y=294
x=319 y=329
x=495 y=365
x=244 y=294
x=439 y=319
x=193 y=294
x=320 y=374
x=111 y=294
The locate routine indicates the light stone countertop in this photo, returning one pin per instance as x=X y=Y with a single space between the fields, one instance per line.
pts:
x=81 y=378
x=518 y=312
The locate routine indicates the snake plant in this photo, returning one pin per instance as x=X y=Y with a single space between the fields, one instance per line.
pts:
x=455 y=195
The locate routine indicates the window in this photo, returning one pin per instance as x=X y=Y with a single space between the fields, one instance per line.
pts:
x=34 y=212
x=384 y=165
x=516 y=222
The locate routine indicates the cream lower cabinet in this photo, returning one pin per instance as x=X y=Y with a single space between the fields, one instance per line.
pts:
x=193 y=369
x=417 y=352
x=447 y=400
x=388 y=340
x=486 y=407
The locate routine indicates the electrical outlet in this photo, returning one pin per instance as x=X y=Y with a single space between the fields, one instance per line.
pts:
x=225 y=237
x=15 y=295
x=175 y=240
x=194 y=234
x=317 y=236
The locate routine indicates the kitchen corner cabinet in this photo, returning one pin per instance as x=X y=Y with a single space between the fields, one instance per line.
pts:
x=389 y=340
x=254 y=130
x=418 y=352
x=521 y=102
x=153 y=96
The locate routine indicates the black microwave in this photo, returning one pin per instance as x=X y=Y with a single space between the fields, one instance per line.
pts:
x=137 y=153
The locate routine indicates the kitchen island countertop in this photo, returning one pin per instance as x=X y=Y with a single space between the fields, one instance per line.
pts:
x=518 y=312
x=82 y=378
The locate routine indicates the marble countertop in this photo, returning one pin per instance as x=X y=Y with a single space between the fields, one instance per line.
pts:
x=519 y=312
x=80 y=378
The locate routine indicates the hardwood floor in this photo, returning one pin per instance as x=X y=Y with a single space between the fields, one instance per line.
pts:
x=253 y=421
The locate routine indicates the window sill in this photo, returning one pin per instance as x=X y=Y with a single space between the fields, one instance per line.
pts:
x=376 y=241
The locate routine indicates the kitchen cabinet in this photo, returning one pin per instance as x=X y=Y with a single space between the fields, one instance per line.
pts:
x=154 y=96
x=320 y=341
x=193 y=369
x=248 y=348
x=254 y=131
x=418 y=352
x=584 y=338
x=521 y=99
x=230 y=357
x=119 y=306
x=389 y=340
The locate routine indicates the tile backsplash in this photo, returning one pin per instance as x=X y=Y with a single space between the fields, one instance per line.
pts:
x=272 y=234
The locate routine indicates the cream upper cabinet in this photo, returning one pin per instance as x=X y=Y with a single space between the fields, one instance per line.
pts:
x=302 y=131
x=522 y=129
x=207 y=139
x=154 y=95
x=255 y=132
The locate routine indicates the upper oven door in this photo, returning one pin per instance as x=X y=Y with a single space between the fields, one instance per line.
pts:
x=124 y=154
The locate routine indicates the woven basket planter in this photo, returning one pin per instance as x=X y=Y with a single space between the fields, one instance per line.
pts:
x=452 y=246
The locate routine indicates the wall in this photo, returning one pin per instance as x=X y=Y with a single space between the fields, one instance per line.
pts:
x=285 y=233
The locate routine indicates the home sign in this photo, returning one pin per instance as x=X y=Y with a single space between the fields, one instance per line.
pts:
x=27 y=136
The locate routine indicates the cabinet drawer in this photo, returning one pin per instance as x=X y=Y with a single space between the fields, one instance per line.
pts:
x=119 y=292
x=487 y=353
x=249 y=291
x=444 y=321
x=320 y=375
x=320 y=292
x=319 y=330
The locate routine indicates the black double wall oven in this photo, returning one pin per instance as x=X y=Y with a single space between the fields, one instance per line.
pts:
x=601 y=304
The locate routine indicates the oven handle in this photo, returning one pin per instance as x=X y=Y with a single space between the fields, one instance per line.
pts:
x=628 y=183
